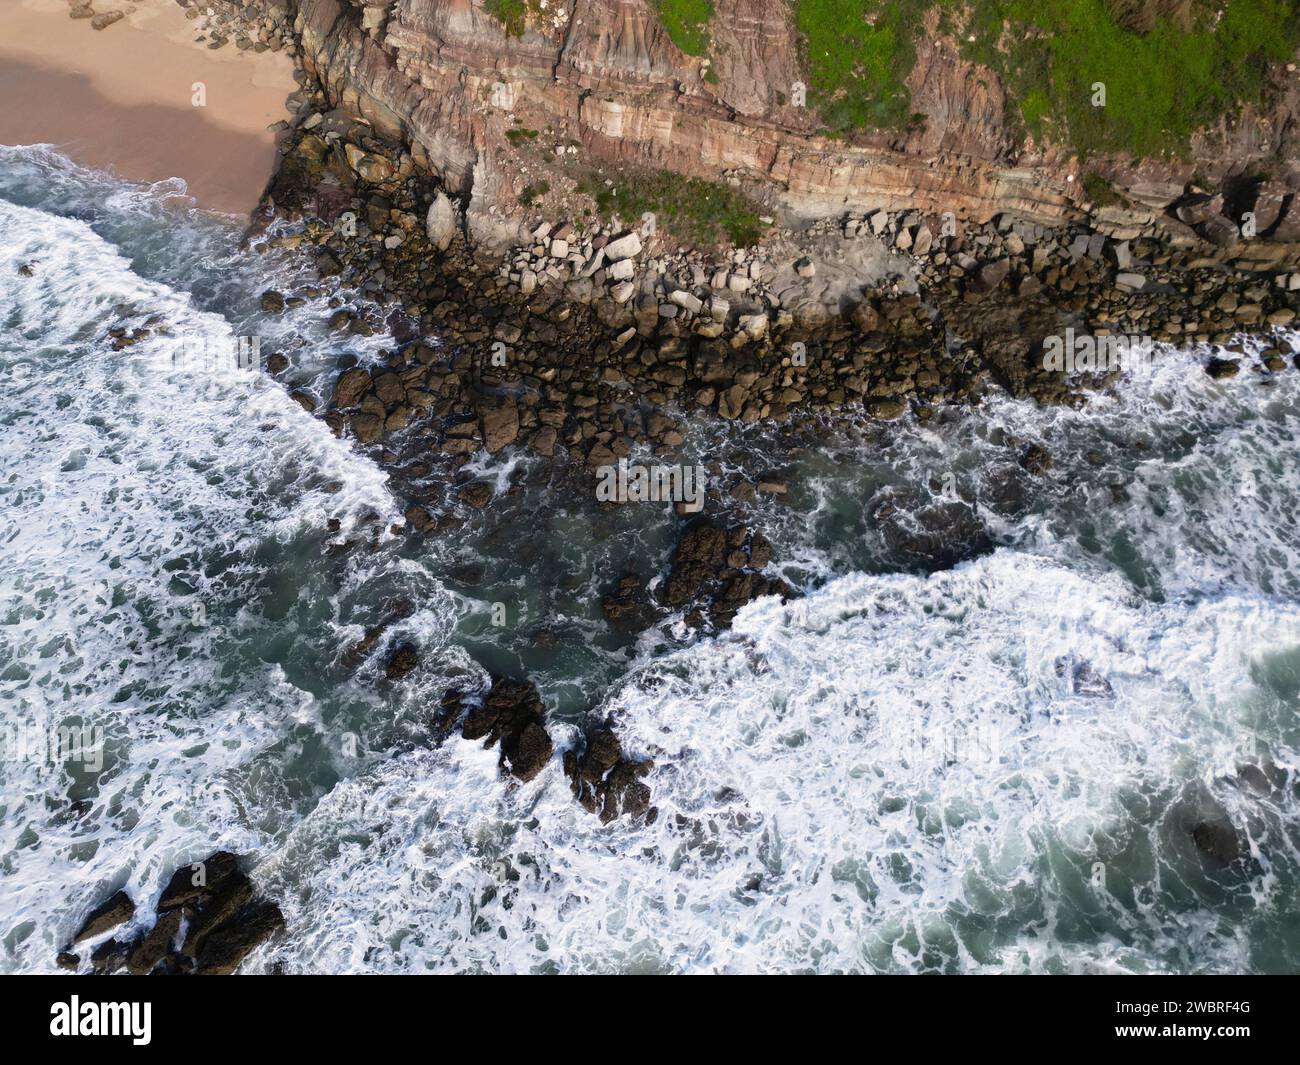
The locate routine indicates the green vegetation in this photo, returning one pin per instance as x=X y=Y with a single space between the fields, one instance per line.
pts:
x=532 y=193
x=1100 y=191
x=1160 y=86
x=1192 y=65
x=702 y=213
x=858 y=57
x=519 y=136
x=687 y=23
x=512 y=14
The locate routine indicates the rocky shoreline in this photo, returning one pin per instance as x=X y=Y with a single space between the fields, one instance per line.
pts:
x=586 y=341
x=941 y=310
x=942 y=329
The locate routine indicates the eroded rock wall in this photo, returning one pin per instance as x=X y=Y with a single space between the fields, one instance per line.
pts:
x=447 y=77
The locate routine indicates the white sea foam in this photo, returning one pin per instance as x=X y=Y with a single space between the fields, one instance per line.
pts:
x=898 y=772
x=130 y=496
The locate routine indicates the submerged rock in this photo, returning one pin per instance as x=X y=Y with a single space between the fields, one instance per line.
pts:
x=931 y=536
x=402 y=661
x=1215 y=837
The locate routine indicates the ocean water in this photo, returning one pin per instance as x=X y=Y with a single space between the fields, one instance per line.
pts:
x=995 y=767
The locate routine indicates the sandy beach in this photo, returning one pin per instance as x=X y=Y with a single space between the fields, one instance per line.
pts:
x=126 y=98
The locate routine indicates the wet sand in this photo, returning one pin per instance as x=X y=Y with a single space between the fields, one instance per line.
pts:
x=123 y=99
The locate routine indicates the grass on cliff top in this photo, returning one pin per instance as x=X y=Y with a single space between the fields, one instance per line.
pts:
x=858 y=56
x=512 y=14
x=704 y=214
x=1161 y=85
x=687 y=23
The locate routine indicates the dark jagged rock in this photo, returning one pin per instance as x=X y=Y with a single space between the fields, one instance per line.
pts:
x=512 y=715
x=606 y=783
x=212 y=903
x=223 y=906
x=701 y=555
x=199 y=881
x=155 y=945
x=117 y=910
x=716 y=571
x=224 y=950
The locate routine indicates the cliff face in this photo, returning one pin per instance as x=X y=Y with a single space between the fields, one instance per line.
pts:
x=604 y=75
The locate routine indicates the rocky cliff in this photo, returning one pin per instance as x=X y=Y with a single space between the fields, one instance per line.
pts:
x=501 y=97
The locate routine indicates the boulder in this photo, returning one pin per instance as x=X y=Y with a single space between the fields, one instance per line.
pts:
x=991 y=275
x=1219 y=231
x=350 y=387
x=499 y=418
x=370 y=167
x=198 y=881
x=624 y=247
x=687 y=302
x=225 y=948
x=117 y=910
x=440 y=222
x=1198 y=207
